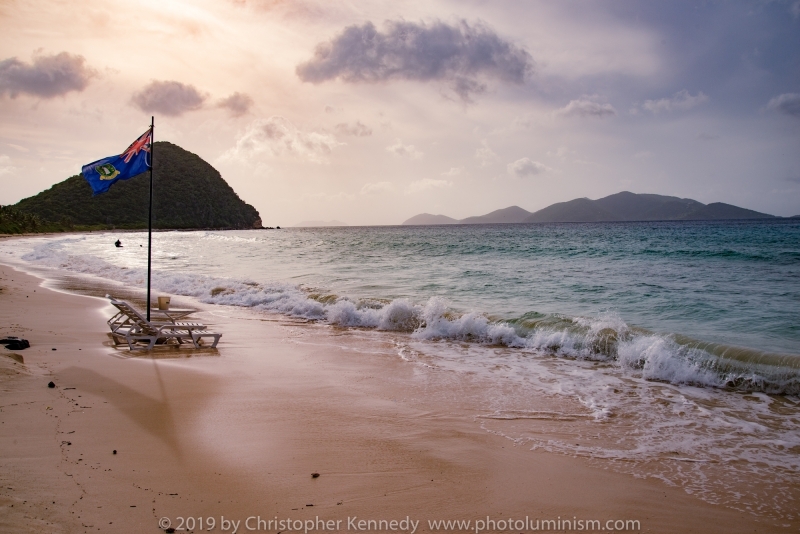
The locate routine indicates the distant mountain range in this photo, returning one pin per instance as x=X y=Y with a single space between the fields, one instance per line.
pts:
x=624 y=206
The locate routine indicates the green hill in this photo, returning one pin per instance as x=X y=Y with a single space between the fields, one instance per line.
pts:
x=187 y=193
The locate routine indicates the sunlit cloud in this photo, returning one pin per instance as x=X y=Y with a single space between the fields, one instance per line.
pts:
x=787 y=103
x=524 y=167
x=5 y=165
x=375 y=188
x=454 y=171
x=169 y=98
x=427 y=184
x=680 y=101
x=461 y=55
x=277 y=136
x=404 y=151
x=587 y=108
x=356 y=129
x=485 y=154
x=46 y=76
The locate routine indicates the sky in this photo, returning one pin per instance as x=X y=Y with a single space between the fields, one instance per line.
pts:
x=371 y=112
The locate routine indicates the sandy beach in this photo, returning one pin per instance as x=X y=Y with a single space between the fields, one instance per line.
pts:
x=220 y=436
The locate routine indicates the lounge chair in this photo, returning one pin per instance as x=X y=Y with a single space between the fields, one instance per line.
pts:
x=122 y=320
x=129 y=324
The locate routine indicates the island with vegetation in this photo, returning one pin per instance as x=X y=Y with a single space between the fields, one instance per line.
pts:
x=188 y=194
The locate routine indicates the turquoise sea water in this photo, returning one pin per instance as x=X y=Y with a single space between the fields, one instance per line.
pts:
x=716 y=297
x=734 y=283
x=671 y=350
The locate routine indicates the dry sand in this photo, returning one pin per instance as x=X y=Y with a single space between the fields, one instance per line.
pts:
x=237 y=432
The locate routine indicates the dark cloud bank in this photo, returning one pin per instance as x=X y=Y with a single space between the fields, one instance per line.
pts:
x=46 y=76
x=459 y=54
x=169 y=98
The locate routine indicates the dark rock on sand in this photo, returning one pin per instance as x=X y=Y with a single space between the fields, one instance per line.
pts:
x=15 y=343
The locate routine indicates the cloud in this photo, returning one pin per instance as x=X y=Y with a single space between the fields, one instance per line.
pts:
x=237 y=104
x=526 y=167
x=485 y=154
x=46 y=76
x=426 y=184
x=459 y=54
x=587 y=108
x=357 y=129
x=787 y=103
x=5 y=168
x=169 y=98
x=18 y=147
x=277 y=136
x=404 y=151
x=561 y=152
x=454 y=171
x=681 y=100
x=375 y=188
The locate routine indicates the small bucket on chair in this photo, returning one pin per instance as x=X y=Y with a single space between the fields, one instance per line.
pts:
x=163 y=303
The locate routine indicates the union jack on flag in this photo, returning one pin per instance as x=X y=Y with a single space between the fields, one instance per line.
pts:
x=143 y=143
x=136 y=159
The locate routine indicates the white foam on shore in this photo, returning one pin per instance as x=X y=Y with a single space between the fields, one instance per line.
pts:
x=603 y=338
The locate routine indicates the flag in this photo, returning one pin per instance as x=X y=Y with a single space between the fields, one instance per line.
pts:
x=104 y=173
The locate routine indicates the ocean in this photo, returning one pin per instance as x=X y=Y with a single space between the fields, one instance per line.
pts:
x=661 y=349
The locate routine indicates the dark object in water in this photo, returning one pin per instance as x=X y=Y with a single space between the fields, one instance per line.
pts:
x=118 y=243
x=15 y=343
x=51 y=385
x=314 y=475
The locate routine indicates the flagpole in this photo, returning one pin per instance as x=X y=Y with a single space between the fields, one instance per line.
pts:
x=150 y=216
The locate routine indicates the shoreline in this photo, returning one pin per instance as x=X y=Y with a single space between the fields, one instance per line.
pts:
x=238 y=431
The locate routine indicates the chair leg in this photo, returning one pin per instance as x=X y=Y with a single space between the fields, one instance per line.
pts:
x=196 y=337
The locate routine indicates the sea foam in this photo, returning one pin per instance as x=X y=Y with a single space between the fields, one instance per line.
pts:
x=607 y=337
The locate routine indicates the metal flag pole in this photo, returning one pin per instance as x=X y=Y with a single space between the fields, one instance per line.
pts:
x=150 y=215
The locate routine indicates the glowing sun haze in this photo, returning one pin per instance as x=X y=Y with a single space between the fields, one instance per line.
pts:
x=371 y=112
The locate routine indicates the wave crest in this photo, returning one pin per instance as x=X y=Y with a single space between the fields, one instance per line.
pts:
x=607 y=338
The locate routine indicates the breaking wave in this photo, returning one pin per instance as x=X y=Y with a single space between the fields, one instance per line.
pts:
x=607 y=338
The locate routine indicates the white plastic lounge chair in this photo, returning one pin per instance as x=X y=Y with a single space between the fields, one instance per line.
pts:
x=122 y=320
x=130 y=325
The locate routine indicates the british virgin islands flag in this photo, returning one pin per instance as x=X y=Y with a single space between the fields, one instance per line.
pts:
x=104 y=173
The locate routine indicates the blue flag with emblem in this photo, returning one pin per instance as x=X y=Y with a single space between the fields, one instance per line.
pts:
x=104 y=173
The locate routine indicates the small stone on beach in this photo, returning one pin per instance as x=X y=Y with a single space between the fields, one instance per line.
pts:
x=314 y=475
x=115 y=451
x=51 y=385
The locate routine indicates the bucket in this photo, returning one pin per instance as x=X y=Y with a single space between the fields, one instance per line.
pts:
x=163 y=303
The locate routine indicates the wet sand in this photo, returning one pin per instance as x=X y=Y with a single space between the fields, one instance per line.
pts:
x=237 y=432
